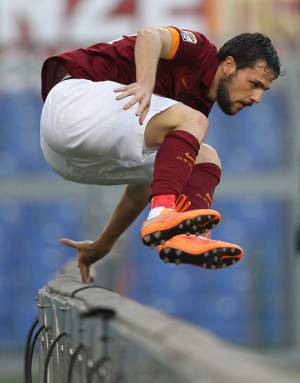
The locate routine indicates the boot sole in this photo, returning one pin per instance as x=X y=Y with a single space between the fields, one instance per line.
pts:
x=197 y=226
x=218 y=258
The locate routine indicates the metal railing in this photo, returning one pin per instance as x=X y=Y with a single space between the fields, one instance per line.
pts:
x=89 y=334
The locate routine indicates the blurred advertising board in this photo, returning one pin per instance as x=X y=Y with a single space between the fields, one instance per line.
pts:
x=278 y=19
x=56 y=21
x=30 y=31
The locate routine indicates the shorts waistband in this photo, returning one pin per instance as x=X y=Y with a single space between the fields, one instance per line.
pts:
x=67 y=77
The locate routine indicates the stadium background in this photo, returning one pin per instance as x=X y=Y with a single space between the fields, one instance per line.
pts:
x=255 y=303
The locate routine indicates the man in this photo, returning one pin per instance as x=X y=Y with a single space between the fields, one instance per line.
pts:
x=113 y=110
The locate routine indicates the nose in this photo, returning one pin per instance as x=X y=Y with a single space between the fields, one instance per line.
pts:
x=257 y=95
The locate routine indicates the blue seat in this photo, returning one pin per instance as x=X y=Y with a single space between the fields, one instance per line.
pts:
x=30 y=233
x=227 y=301
x=238 y=138
x=20 y=151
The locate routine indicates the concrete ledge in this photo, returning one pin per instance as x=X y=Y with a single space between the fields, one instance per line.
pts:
x=152 y=345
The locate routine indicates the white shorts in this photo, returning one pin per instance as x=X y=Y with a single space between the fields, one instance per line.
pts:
x=87 y=136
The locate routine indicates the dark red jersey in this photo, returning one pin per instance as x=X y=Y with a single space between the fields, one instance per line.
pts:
x=185 y=75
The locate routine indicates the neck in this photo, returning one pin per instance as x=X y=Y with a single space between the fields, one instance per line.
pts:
x=212 y=93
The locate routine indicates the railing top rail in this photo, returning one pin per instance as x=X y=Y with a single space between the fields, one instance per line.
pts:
x=194 y=352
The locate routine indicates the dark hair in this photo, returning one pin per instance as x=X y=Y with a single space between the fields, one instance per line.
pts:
x=248 y=48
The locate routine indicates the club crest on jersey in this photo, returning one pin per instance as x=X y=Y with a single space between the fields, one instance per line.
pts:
x=188 y=37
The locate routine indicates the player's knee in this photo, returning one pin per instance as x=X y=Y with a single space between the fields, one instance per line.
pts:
x=177 y=117
x=208 y=154
x=195 y=123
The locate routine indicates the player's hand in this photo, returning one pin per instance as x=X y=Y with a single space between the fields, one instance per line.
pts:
x=88 y=252
x=140 y=93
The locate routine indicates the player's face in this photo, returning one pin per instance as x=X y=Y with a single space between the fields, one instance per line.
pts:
x=243 y=87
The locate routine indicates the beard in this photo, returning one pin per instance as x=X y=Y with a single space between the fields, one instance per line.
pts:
x=223 y=97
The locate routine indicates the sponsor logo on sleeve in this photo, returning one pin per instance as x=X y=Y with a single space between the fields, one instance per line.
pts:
x=188 y=37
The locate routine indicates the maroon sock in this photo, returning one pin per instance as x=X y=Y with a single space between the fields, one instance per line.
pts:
x=174 y=163
x=201 y=185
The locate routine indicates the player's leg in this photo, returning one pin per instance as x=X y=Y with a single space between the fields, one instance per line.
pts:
x=178 y=131
x=88 y=137
x=200 y=250
x=205 y=177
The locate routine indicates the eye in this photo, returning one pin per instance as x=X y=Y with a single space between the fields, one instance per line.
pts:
x=253 y=84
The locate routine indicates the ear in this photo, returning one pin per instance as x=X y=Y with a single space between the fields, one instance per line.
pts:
x=229 y=66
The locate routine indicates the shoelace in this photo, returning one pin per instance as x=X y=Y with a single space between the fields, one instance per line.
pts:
x=182 y=203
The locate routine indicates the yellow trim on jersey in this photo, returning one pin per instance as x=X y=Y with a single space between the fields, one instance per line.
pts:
x=175 y=43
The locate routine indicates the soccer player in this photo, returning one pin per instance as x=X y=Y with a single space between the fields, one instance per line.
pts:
x=135 y=111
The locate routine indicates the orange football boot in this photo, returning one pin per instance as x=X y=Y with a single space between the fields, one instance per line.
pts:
x=174 y=222
x=200 y=251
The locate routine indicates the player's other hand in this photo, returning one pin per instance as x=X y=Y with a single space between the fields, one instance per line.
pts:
x=141 y=93
x=88 y=252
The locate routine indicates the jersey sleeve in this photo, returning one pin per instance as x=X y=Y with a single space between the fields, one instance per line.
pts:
x=188 y=46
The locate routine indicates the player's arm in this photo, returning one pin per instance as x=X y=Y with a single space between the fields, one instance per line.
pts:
x=131 y=204
x=151 y=45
